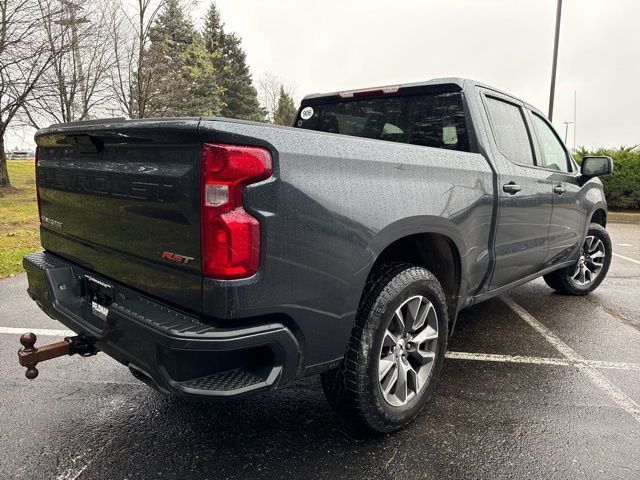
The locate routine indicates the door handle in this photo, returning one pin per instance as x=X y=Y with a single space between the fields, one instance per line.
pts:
x=511 y=188
x=559 y=189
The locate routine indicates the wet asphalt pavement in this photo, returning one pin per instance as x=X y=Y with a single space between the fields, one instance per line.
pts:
x=537 y=385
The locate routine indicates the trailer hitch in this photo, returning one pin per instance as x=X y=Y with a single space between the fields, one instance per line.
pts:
x=29 y=356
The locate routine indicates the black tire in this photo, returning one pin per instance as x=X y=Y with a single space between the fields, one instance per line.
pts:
x=562 y=281
x=354 y=388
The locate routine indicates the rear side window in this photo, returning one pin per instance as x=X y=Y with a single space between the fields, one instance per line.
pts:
x=510 y=131
x=433 y=120
x=553 y=153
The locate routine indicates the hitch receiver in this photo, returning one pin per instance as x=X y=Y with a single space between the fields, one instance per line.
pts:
x=29 y=356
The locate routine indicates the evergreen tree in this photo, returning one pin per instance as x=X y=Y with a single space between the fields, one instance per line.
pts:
x=172 y=27
x=239 y=96
x=185 y=82
x=213 y=30
x=203 y=94
x=286 y=111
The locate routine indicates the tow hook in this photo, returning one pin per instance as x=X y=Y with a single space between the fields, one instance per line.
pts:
x=29 y=356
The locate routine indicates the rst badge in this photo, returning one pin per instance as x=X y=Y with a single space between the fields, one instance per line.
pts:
x=175 y=258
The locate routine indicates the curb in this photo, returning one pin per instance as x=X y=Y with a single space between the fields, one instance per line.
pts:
x=624 y=217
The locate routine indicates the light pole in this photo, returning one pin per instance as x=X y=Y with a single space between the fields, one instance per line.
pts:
x=566 y=130
x=555 y=60
x=575 y=118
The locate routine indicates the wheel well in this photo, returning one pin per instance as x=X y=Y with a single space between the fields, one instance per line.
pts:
x=599 y=217
x=433 y=251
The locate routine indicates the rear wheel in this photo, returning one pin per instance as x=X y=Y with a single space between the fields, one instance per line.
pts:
x=395 y=352
x=590 y=269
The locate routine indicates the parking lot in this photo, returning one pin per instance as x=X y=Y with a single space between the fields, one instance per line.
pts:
x=536 y=385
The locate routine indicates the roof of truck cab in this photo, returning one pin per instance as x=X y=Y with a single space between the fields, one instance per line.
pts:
x=461 y=82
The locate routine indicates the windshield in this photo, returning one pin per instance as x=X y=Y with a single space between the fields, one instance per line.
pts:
x=433 y=120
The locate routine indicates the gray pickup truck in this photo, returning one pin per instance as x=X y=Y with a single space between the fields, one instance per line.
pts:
x=219 y=258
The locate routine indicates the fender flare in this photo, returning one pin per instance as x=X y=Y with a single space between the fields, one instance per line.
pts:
x=423 y=224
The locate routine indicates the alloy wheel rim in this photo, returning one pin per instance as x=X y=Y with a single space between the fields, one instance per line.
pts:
x=590 y=262
x=408 y=351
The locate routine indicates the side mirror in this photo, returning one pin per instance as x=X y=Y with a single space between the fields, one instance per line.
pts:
x=596 y=166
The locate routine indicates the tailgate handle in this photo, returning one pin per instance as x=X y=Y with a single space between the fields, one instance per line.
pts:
x=85 y=143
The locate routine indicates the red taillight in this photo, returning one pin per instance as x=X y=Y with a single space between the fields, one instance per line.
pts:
x=230 y=235
x=37 y=189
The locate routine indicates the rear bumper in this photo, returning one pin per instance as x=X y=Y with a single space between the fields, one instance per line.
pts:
x=176 y=352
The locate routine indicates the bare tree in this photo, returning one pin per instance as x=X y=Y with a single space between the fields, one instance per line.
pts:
x=76 y=84
x=24 y=57
x=269 y=86
x=131 y=77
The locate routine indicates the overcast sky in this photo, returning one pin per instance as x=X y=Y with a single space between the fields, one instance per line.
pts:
x=333 y=45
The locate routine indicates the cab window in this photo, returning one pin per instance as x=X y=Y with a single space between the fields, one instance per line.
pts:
x=432 y=119
x=554 y=156
x=510 y=131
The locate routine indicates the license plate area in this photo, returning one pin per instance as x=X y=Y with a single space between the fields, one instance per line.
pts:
x=98 y=295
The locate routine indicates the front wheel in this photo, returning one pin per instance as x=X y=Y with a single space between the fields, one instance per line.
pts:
x=396 y=350
x=590 y=269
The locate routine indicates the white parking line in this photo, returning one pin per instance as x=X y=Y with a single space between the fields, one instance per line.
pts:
x=563 y=362
x=627 y=258
x=613 y=365
x=38 y=331
x=613 y=392
x=71 y=473
x=492 y=357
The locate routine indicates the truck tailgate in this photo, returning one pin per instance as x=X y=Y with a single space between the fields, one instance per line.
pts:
x=122 y=199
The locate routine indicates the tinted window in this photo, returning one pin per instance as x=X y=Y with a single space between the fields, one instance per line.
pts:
x=554 y=155
x=433 y=120
x=510 y=131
